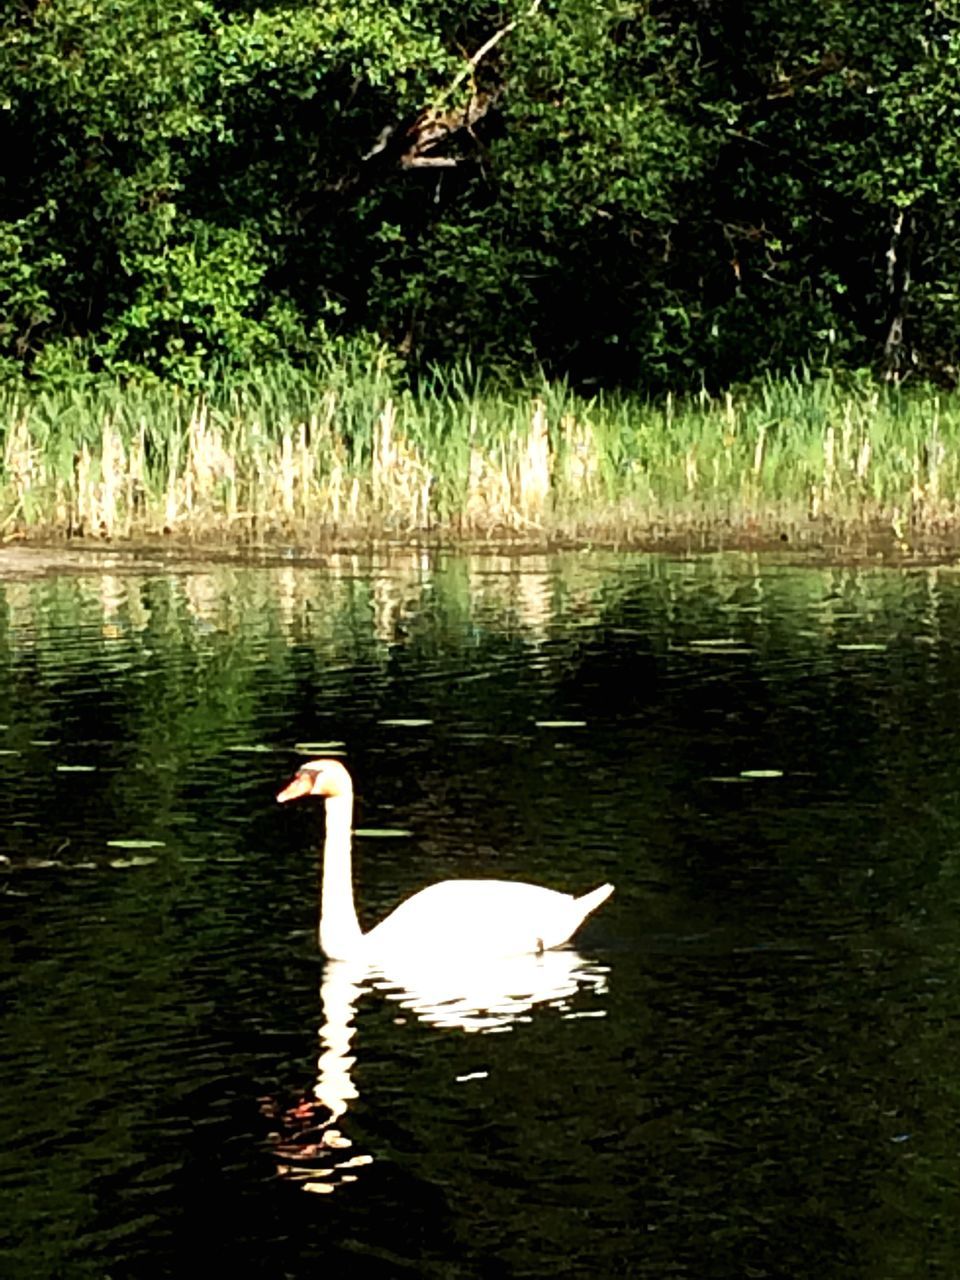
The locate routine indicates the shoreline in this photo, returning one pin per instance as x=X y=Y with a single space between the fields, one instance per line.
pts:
x=814 y=468
x=808 y=466
x=854 y=543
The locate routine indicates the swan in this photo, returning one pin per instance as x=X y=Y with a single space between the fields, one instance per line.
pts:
x=454 y=918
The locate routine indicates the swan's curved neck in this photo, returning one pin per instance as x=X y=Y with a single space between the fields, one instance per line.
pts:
x=340 y=935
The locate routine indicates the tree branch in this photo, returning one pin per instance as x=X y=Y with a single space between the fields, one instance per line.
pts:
x=474 y=61
x=435 y=125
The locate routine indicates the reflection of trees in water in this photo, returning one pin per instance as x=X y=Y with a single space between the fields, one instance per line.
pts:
x=310 y=1146
x=360 y=608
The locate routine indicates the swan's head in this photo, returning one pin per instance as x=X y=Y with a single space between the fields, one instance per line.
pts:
x=325 y=778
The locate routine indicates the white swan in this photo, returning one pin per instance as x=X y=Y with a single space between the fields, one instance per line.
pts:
x=454 y=917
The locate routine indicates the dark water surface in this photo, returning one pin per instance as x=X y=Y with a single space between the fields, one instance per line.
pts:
x=748 y=1067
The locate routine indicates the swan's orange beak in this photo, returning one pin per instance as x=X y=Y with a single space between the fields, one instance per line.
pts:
x=301 y=785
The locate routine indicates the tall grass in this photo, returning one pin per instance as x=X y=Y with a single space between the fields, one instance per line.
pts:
x=351 y=452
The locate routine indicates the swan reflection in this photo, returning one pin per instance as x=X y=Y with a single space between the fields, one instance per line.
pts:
x=492 y=995
x=482 y=997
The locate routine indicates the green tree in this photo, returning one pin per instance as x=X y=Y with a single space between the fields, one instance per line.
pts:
x=650 y=193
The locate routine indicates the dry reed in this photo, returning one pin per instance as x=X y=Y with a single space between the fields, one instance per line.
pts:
x=342 y=459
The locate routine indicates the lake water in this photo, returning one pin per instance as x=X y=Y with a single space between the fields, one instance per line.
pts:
x=745 y=1069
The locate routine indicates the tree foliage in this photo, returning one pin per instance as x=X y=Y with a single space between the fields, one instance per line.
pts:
x=631 y=191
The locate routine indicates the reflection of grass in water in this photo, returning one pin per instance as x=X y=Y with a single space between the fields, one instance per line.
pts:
x=350 y=451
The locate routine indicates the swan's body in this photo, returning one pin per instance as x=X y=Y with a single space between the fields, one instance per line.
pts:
x=454 y=917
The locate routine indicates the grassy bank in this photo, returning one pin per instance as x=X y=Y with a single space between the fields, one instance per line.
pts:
x=350 y=454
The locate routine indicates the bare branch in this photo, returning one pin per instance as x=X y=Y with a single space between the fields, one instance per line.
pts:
x=384 y=136
x=475 y=59
x=435 y=125
x=413 y=161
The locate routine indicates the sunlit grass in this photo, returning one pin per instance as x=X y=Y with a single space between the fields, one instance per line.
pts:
x=352 y=452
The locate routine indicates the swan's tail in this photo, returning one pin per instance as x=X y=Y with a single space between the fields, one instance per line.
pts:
x=590 y=901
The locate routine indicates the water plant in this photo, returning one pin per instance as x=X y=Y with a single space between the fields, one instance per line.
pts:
x=356 y=452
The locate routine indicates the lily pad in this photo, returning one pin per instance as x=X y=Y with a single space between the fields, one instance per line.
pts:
x=405 y=724
x=382 y=833
x=320 y=748
x=717 y=650
x=136 y=844
x=76 y=768
x=257 y=748
x=862 y=648
x=137 y=861
x=560 y=724
x=761 y=773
